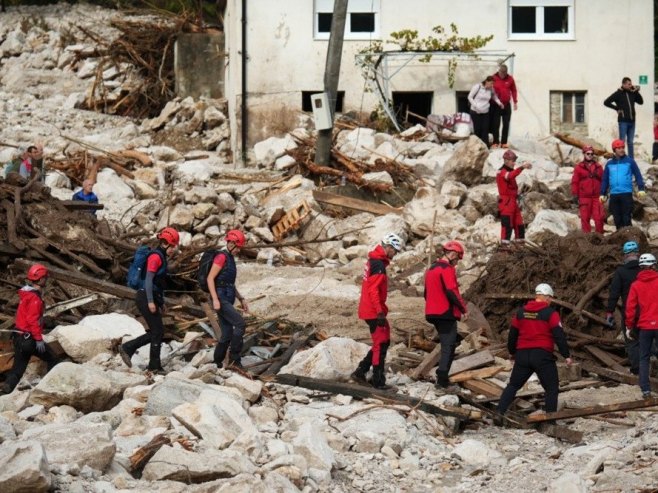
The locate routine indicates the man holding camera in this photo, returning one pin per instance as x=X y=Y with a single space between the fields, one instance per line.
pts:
x=623 y=102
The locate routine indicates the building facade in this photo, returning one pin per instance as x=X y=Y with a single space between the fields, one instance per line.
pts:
x=567 y=56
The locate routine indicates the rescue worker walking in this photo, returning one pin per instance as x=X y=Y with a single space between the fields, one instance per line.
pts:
x=444 y=305
x=508 y=196
x=221 y=286
x=618 y=181
x=28 y=338
x=535 y=330
x=642 y=315
x=622 y=279
x=585 y=188
x=150 y=301
x=373 y=310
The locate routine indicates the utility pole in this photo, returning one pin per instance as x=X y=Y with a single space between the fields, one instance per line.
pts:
x=331 y=74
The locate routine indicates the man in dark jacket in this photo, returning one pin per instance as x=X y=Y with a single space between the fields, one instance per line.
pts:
x=642 y=315
x=623 y=102
x=444 y=305
x=373 y=310
x=585 y=188
x=618 y=181
x=621 y=284
x=536 y=329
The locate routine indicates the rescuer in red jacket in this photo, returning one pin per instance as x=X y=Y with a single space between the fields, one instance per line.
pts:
x=642 y=315
x=373 y=309
x=444 y=305
x=585 y=188
x=508 y=196
x=28 y=337
x=536 y=329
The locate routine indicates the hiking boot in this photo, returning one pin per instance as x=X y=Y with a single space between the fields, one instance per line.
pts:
x=382 y=386
x=646 y=395
x=4 y=389
x=359 y=377
x=499 y=420
x=125 y=357
x=236 y=364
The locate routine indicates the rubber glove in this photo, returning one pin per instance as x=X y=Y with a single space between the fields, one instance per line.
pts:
x=603 y=198
x=41 y=347
x=641 y=194
x=610 y=319
x=381 y=319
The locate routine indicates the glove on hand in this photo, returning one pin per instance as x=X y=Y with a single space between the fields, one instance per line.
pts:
x=641 y=194
x=575 y=200
x=610 y=319
x=41 y=347
x=602 y=199
x=381 y=319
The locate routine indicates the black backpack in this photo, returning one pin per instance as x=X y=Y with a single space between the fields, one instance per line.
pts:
x=204 y=268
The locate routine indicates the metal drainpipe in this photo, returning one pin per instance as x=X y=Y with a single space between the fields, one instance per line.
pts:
x=244 y=113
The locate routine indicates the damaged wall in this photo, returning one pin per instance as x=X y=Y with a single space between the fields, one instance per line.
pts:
x=199 y=65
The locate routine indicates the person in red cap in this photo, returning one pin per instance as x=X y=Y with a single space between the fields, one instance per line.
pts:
x=585 y=188
x=28 y=337
x=618 y=182
x=221 y=286
x=508 y=196
x=444 y=305
x=373 y=310
x=150 y=301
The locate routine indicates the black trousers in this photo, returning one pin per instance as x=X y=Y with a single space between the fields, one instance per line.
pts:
x=499 y=114
x=621 y=208
x=527 y=362
x=448 y=338
x=24 y=349
x=233 y=327
x=481 y=126
x=654 y=151
x=154 y=335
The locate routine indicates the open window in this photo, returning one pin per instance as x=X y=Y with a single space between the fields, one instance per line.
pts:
x=541 y=20
x=416 y=102
x=362 y=19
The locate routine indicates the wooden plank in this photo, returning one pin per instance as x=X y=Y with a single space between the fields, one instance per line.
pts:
x=572 y=386
x=471 y=362
x=476 y=321
x=561 y=432
x=605 y=358
x=75 y=205
x=428 y=362
x=363 y=392
x=481 y=373
x=354 y=204
x=212 y=318
x=593 y=410
x=620 y=377
x=483 y=387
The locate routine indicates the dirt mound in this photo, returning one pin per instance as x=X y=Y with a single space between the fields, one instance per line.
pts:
x=578 y=267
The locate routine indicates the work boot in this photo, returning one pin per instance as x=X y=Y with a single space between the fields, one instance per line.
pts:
x=125 y=356
x=235 y=364
x=359 y=376
x=5 y=388
x=443 y=383
x=154 y=359
x=379 y=378
x=220 y=353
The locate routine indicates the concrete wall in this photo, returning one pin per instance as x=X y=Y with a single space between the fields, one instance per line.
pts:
x=613 y=38
x=199 y=65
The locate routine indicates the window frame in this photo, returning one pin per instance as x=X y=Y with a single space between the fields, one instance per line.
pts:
x=353 y=7
x=573 y=95
x=540 y=5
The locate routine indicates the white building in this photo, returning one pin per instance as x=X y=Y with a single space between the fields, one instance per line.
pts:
x=568 y=56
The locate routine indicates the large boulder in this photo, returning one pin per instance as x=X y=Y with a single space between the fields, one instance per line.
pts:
x=86 y=387
x=111 y=189
x=556 y=222
x=215 y=417
x=83 y=444
x=333 y=359
x=177 y=464
x=268 y=150
x=476 y=453
x=173 y=392
x=95 y=334
x=422 y=210
x=357 y=143
x=24 y=467
x=380 y=226
x=466 y=163
x=181 y=217
x=311 y=444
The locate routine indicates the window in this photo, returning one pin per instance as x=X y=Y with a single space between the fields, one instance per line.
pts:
x=362 y=19
x=306 y=100
x=541 y=19
x=568 y=111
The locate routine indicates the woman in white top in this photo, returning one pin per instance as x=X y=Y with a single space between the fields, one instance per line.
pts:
x=480 y=99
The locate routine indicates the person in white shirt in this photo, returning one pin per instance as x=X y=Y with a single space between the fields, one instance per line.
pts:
x=480 y=100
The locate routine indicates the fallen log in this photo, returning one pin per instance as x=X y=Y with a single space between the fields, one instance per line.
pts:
x=76 y=205
x=615 y=375
x=593 y=410
x=143 y=454
x=361 y=392
x=572 y=141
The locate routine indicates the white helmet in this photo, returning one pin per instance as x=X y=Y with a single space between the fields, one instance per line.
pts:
x=393 y=240
x=544 y=289
x=647 y=260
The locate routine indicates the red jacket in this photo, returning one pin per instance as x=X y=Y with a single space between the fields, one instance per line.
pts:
x=505 y=88
x=506 y=181
x=29 y=315
x=586 y=179
x=642 y=302
x=442 y=297
x=537 y=326
x=375 y=285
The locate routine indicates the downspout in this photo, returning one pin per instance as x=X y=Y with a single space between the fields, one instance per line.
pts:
x=244 y=113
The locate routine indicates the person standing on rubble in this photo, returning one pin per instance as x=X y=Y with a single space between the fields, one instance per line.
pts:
x=480 y=99
x=618 y=181
x=622 y=279
x=221 y=286
x=28 y=337
x=504 y=87
x=623 y=101
x=642 y=315
x=373 y=310
x=585 y=188
x=535 y=330
x=444 y=305
x=508 y=198
x=150 y=301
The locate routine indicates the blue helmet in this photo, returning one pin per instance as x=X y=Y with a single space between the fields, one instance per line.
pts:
x=631 y=247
